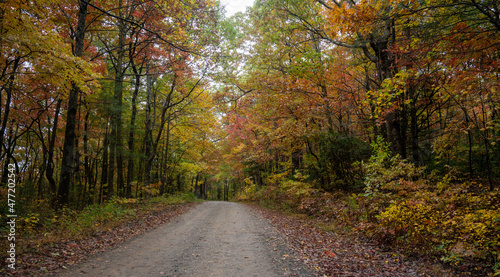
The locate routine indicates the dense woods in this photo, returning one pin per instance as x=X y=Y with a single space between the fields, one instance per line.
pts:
x=106 y=99
x=376 y=116
x=382 y=117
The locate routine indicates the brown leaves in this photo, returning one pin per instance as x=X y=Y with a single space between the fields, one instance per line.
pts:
x=336 y=255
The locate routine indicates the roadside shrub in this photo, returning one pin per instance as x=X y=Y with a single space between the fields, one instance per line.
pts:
x=182 y=197
x=388 y=178
x=458 y=221
x=412 y=223
x=389 y=173
x=282 y=193
x=339 y=156
x=296 y=190
x=401 y=205
x=176 y=198
x=458 y=225
x=248 y=192
x=91 y=218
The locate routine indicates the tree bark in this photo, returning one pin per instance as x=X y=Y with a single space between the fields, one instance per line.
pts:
x=148 y=139
x=131 y=134
x=49 y=172
x=67 y=166
x=196 y=187
x=88 y=170
x=104 y=165
x=116 y=119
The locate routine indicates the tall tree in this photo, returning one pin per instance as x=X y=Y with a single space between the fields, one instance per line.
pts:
x=68 y=160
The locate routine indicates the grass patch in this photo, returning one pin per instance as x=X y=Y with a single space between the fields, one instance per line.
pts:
x=337 y=228
x=178 y=198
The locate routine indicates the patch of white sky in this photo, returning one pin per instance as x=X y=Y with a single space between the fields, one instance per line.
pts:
x=234 y=6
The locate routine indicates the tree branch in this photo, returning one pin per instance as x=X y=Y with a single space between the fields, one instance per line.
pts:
x=142 y=27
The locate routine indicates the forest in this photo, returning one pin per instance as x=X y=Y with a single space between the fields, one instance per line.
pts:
x=375 y=117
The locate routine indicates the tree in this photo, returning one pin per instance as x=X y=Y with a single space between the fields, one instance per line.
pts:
x=68 y=163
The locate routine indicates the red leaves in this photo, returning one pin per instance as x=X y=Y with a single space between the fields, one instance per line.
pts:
x=330 y=254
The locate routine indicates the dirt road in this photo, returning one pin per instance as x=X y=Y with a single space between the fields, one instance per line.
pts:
x=212 y=239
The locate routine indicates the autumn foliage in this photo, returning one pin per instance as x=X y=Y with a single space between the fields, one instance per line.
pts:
x=382 y=116
x=379 y=117
x=103 y=101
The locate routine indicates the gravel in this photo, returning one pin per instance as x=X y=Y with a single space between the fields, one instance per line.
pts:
x=212 y=239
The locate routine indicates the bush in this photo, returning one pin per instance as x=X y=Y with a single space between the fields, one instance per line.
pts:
x=339 y=156
x=387 y=173
x=456 y=225
x=248 y=192
x=91 y=218
x=458 y=221
x=403 y=206
x=295 y=192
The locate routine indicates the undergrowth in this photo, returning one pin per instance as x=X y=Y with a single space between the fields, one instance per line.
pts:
x=455 y=220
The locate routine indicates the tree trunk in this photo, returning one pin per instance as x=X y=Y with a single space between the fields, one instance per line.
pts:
x=131 y=141
x=196 y=188
x=165 y=165
x=205 y=188
x=67 y=166
x=87 y=167
x=6 y=111
x=148 y=139
x=116 y=119
x=416 y=155
x=104 y=166
x=49 y=172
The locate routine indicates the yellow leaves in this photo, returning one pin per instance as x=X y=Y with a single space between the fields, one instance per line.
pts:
x=153 y=189
x=452 y=220
x=120 y=200
x=190 y=167
x=409 y=215
x=391 y=94
x=347 y=21
x=239 y=148
x=29 y=221
x=249 y=191
x=31 y=31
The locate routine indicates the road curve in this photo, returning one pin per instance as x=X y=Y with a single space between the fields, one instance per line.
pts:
x=212 y=239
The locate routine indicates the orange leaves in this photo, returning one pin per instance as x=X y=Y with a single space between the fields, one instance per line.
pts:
x=330 y=254
x=349 y=20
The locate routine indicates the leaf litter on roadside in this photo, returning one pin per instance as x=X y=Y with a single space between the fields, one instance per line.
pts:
x=332 y=254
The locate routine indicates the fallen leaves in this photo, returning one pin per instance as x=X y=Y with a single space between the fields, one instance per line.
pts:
x=331 y=254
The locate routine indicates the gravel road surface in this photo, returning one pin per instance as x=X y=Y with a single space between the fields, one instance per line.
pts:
x=212 y=239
